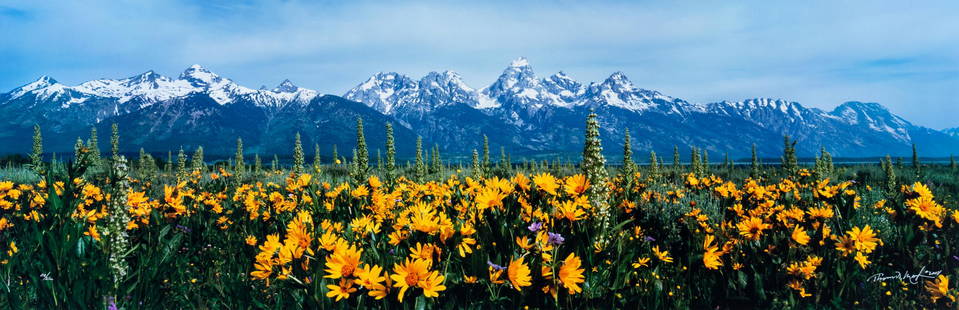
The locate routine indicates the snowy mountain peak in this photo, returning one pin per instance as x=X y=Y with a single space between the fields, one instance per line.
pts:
x=618 y=91
x=516 y=78
x=519 y=62
x=145 y=77
x=440 y=89
x=382 y=91
x=447 y=79
x=286 y=87
x=40 y=83
x=563 y=86
x=200 y=76
x=619 y=82
x=222 y=90
x=46 y=80
x=873 y=116
x=855 y=112
x=561 y=75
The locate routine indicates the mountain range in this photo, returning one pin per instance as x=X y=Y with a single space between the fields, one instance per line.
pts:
x=520 y=112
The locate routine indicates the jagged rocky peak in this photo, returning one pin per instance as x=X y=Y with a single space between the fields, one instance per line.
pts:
x=381 y=90
x=286 y=87
x=517 y=76
x=563 y=85
x=768 y=104
x=383 y=81
x=447 y=80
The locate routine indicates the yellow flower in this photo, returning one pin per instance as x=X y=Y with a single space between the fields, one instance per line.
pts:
x=800 y=236
x=546 y=182
x=495 y=274
x=641 y=262
x=926 y=208
x=489 y=197
x=250 y=240
x=343 y=262
x=922 y=190
x=863 y=260
x=13 y=249
x=821 y=212
x=752 y=228
x=518 y=273
x=92 y=232
x=806 y=269
x=576 y=185
x=662 y=255
x=370 y=276
x=522 y=181
x=524 y=242
x=341 y=291
x=570 y=211
x=939 y=289
x=465 y=246
x=360 y=191
x=570 y=274
x=416 y=273
x=711 y=258
x=845 y=245
x=864 y=238
x=424 y=252
x=375 y=181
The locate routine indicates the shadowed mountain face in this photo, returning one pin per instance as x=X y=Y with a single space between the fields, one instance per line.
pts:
x=519 y=111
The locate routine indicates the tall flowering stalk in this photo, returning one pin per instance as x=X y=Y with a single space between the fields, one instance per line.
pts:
x=629 y=167
x=594 y=167
x=117 y=242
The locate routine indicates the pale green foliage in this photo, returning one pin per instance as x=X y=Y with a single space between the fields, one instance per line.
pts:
x=629 y=166
x=238 y=157
x=115 y=141
x=298 y=157
x=390 y=153
x=362 y=156
x=198 y=162
x=36 y=158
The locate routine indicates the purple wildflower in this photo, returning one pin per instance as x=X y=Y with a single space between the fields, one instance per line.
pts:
x=649 y=239
x=556 y=239
x=111 y=303
x=536 y=226
x=495 y=266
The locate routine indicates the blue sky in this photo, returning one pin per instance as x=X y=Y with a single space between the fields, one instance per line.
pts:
x=819 y=53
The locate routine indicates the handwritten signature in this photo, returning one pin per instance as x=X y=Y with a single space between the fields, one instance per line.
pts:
x=905 y=276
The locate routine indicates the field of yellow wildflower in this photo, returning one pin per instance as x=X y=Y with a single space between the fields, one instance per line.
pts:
x=107 y=233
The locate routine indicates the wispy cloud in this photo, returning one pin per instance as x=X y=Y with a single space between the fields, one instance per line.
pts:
x=816 y=52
